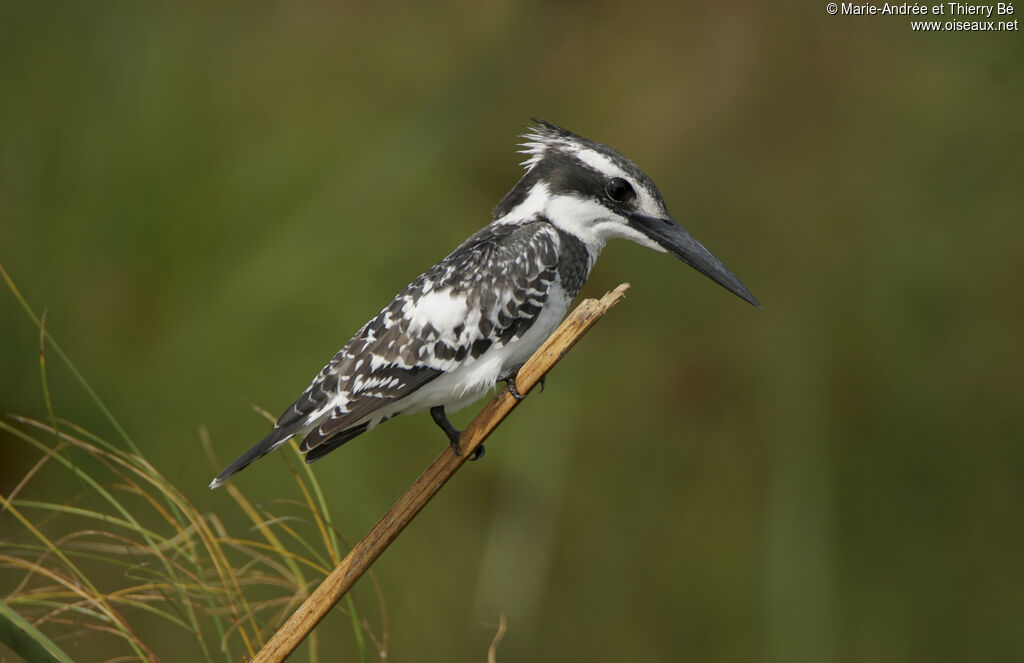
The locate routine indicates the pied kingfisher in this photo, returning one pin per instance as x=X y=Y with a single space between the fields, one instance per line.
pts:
x=472 y=319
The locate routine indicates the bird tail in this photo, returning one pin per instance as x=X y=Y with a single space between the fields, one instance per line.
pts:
x=273 y=440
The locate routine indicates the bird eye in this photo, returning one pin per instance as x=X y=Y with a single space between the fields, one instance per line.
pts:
x=619 y=190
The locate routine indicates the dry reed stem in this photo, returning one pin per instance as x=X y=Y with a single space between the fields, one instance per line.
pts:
x=387 y=529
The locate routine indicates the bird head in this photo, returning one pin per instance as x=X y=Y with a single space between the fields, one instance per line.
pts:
x=594 y=193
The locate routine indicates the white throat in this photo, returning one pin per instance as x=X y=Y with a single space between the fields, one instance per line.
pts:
x=589 y=221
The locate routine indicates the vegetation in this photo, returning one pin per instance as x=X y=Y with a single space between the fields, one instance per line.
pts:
x=128 y=543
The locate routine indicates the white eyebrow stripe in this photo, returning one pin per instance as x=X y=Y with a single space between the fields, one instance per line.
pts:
x=606 y=166
x=602 y=164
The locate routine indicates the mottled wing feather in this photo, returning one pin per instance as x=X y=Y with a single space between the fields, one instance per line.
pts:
x=335 y=441
x=487 y=292
x=399 y=382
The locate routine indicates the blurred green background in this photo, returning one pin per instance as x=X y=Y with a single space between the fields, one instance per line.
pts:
x=210 y=200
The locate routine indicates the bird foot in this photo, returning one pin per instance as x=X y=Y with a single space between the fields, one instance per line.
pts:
x=441 y=420
x=478 y=453
x=511 y=384
x=508 y=376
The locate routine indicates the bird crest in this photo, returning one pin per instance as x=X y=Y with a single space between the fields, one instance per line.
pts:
x=544 y=136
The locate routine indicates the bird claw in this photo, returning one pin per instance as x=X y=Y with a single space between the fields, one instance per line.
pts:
x=511 y=384
x=477 y=453
x=509 y=378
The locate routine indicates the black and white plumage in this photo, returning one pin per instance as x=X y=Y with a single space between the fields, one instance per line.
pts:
x=472 y=319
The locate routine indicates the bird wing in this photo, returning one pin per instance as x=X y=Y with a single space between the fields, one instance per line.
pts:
x=487 y=292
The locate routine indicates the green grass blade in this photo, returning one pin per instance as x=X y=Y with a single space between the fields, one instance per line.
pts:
x=26 y=640
x=67 y=361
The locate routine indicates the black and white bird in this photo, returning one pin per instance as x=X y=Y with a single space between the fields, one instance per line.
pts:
x=472 y=319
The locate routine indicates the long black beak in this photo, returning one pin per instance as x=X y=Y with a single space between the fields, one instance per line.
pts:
x=674 y=239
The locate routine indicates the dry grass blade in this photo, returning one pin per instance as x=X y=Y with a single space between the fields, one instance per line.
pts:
x=492 y=651
x=129 y=555
x=186 y=575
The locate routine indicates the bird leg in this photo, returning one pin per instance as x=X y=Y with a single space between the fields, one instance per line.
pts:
x=437 y=412
x=508 y=376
